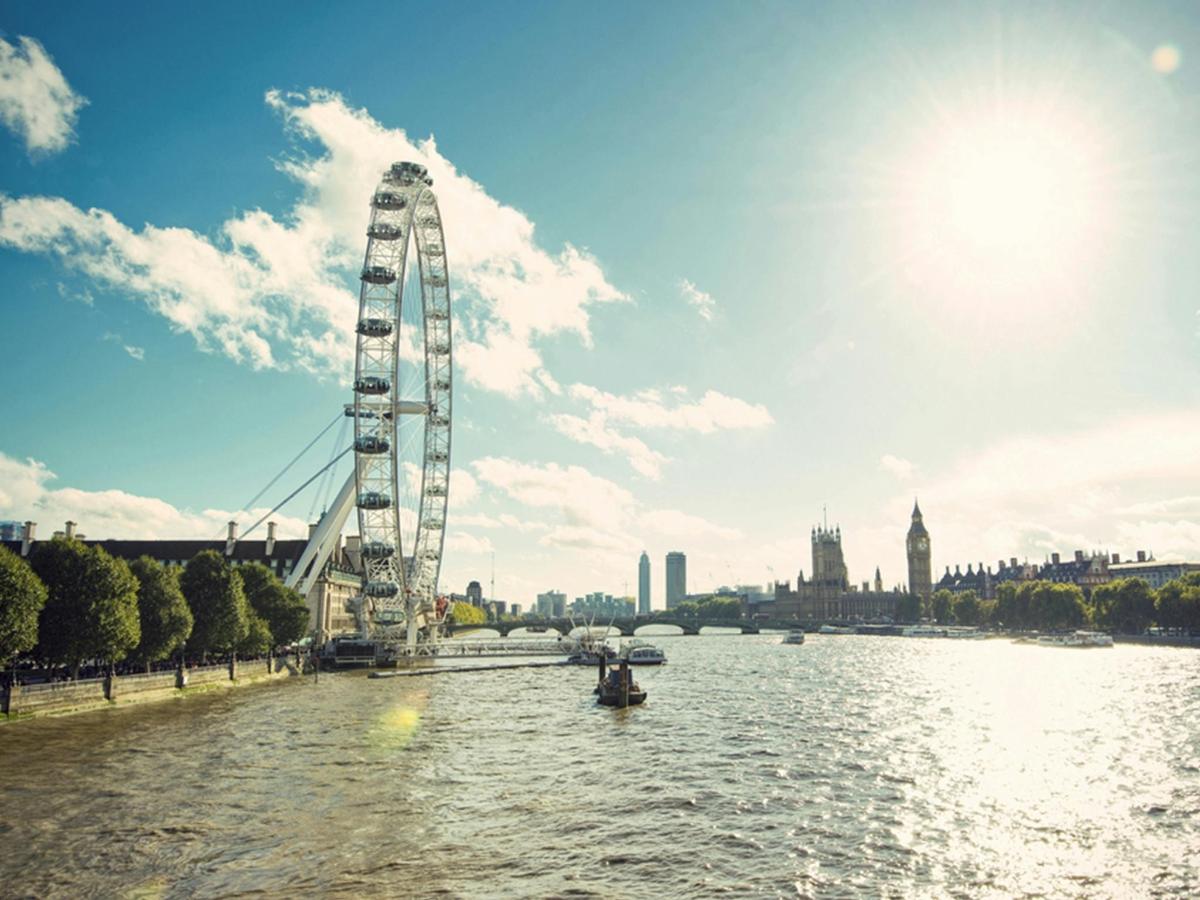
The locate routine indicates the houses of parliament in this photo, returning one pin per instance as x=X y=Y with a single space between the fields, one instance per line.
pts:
x=828 y=594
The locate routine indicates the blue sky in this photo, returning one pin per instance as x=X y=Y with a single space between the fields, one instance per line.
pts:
x=716 y=266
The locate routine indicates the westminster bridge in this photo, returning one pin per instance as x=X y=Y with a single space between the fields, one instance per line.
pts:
x=628 y=627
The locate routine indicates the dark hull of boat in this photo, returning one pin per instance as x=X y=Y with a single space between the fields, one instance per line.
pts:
x=614 y=698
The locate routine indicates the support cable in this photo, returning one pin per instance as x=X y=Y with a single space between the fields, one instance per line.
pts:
x=285 y=500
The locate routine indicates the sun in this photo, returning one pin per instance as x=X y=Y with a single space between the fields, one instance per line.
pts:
x=1005 y=205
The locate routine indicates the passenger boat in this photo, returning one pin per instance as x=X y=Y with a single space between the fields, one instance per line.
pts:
x=617 y=687
x=794 y=637
x=586 y=650
x=837 y=629
x=923 y=631
x=640 y=653
x=1075 y=639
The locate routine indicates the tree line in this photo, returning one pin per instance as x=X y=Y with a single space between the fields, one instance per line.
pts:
x=1124 y=605
x=71 y=603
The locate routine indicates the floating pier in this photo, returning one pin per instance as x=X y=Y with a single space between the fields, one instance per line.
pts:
x=445 y=670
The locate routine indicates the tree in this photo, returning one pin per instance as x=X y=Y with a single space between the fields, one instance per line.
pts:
x=258 y=639
x=283 y=609
x=1009 y=610
x=1177 y=603
x=967 y=608
x=166 y=620
x=1125 y=605
x=22 y=596
x=941 y=604
x=466 y=614
x=1053 y=605
x=213 y=590
x=908 y=608
x=91 y=606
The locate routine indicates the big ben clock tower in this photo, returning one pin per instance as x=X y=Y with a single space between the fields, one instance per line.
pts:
x=920 y=570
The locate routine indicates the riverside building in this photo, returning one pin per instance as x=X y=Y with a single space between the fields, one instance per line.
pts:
x=676 y=578
x=643 y=608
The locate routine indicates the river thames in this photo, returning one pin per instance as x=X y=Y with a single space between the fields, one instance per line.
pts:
x=844 y=767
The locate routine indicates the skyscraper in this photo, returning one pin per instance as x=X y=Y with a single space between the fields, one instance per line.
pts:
x=644 y=585
x=676 y=578
x=920 y=569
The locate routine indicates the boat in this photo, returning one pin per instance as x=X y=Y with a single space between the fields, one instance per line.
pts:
x=640 y=653
x=794 y=637
x=1075 y=639
x=837 y=629
x=965 y=633
x=923 y=631
x=617 y=687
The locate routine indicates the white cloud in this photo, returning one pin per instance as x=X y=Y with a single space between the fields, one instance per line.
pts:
x=35 y=100
x=464 y=489
x=1031 y=495
x=596 y=432
x=583 y=499
x=646 y=409
x=673 y=523
x=85 y=296
x=901 y=468
x=25 y=494
x=704 y=304
x=137 y=353
x=279 y=292
x=595 y=514
x=463 y=542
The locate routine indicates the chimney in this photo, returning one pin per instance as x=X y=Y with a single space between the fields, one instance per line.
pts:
x=27 y=537
x=1013 y=562
x=230 y=538
x=270 y=538
x=70 y=532
x=1116 y=559
x=1078 y=556
x=312 y=529
x=1054 y=558
x=999 y=565
x=1141 y=556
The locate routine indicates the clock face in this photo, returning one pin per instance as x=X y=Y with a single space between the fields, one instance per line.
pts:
x=922 y=544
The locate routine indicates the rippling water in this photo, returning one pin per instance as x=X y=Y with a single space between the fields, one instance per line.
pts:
x=843 y=767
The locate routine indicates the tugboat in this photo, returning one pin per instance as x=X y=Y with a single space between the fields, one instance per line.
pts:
x=617 y=687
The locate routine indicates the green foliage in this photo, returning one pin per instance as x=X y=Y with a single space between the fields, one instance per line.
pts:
x=1041 y=605
x=908 y=608
x=22 y=596
x=1125 y=605
x=466 y=614
x=91 y=607
x=941 y=605
x=1177 y=603
x=213 y=590
x=258 y=639
x=166 y=620
x=283 y=609
x=968 y=610
x=711 y=607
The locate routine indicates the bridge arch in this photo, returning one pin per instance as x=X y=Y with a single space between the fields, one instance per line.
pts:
x=659 y=629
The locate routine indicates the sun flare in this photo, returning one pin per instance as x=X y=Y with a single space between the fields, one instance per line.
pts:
x=1003 y=206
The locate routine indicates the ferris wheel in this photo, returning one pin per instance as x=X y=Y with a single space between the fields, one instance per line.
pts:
x=400 y=485
x=402 y=554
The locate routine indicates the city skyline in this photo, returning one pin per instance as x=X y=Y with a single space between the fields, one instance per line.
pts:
x=1028 y=370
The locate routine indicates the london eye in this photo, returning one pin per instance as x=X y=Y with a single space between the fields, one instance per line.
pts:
x=401 y=411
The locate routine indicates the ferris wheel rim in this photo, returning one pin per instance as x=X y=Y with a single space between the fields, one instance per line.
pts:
x=404 y=215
